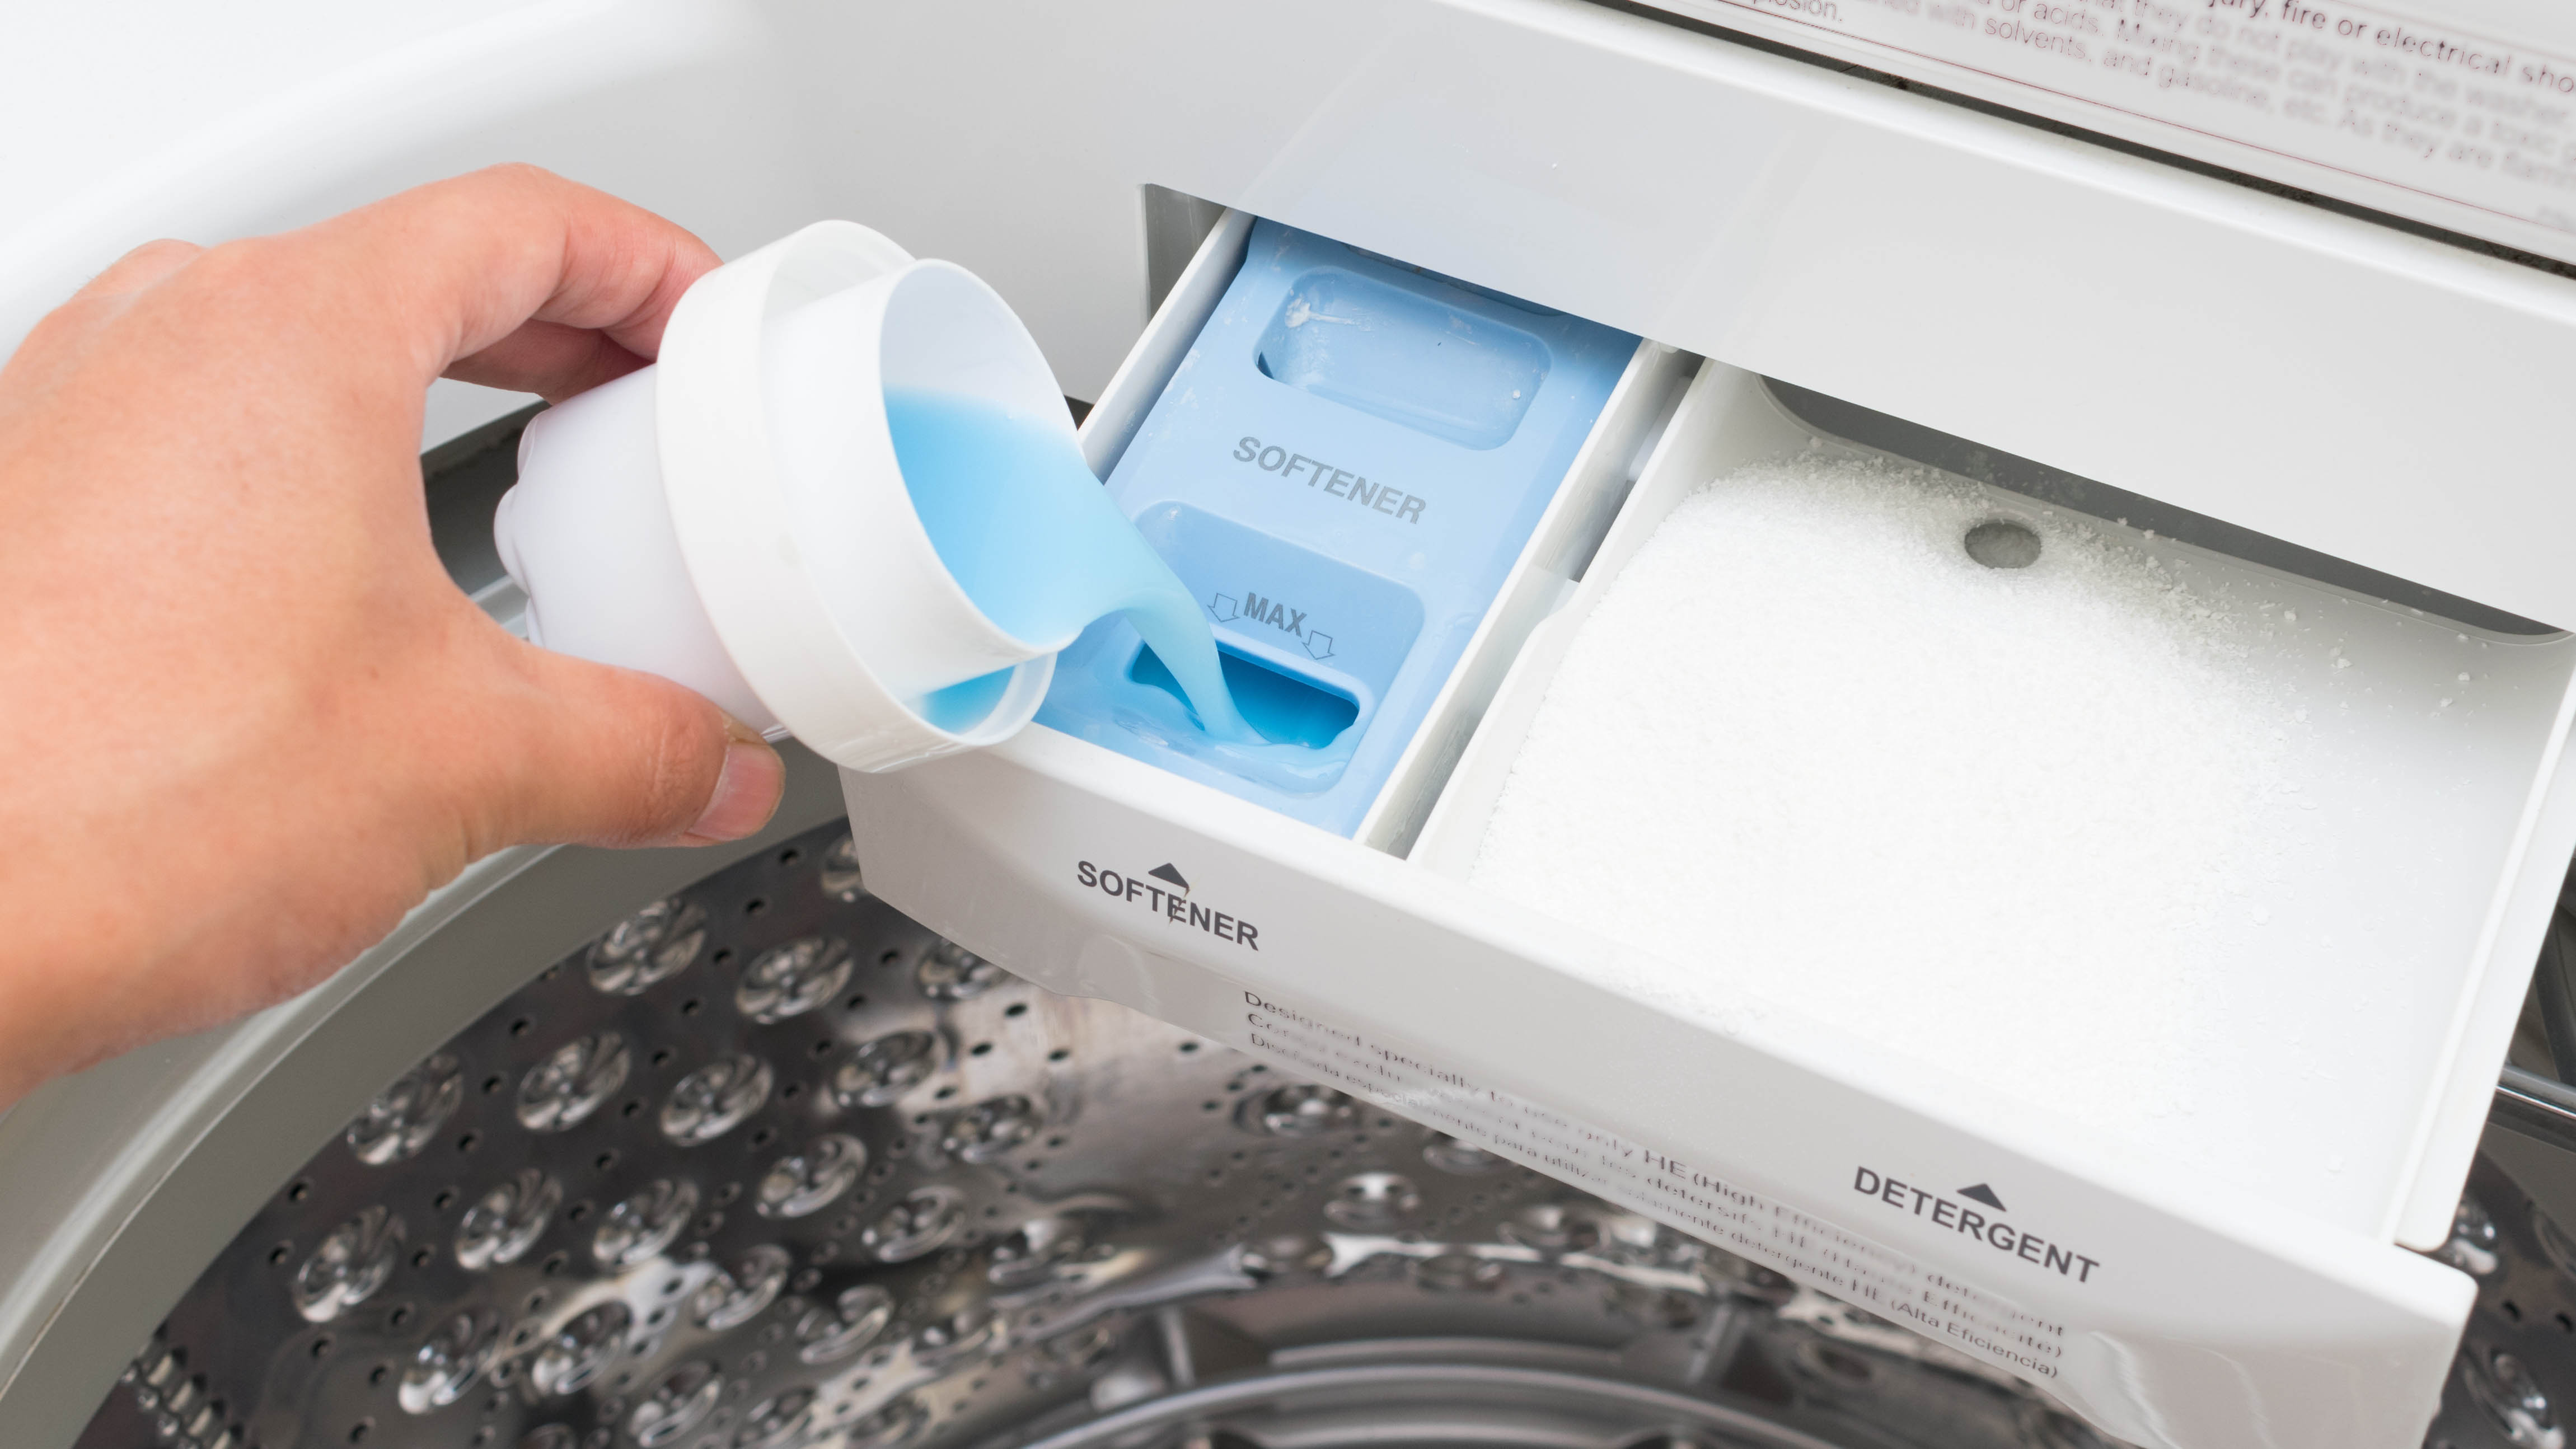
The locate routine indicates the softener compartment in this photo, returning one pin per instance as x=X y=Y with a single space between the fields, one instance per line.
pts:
x=1344 y=469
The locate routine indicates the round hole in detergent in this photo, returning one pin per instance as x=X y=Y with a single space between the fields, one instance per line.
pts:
x=2000 y=543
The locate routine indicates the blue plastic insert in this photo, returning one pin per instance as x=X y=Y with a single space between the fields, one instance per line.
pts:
x=1342 y=470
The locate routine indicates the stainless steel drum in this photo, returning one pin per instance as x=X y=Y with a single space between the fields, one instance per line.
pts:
x=768 y=1165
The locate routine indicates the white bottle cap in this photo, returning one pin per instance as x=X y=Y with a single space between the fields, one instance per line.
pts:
x=734 y=517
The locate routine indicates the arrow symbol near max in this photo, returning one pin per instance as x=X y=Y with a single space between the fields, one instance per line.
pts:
x=1319 y=645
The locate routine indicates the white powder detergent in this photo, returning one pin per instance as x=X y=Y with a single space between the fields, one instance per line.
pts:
x=1807 y=751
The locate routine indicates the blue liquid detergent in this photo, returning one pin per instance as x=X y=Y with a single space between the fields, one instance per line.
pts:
x=1031 y=536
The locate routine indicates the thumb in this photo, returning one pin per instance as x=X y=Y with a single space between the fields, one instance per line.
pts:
x=611 y=756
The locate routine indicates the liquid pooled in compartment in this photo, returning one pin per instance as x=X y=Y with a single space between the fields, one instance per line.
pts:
x=1031 y=536
x=1811 y=750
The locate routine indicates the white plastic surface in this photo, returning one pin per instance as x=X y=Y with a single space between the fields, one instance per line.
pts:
x=734 y=517
x=587 y=528
x=2452 y=112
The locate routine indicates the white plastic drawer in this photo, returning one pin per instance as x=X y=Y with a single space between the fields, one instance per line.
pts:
x=2257 y=1295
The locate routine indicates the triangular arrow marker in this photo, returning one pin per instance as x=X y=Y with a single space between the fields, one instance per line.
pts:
x=1165 y=872
x=1320 y=645
x=1986 y=1195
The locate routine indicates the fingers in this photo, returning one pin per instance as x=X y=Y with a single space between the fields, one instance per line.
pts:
x=533 y=282
x=613 y=757
x=746 y=793
x=547 y=358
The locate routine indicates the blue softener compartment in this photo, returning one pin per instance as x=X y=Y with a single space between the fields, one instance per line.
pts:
x=1342 y=471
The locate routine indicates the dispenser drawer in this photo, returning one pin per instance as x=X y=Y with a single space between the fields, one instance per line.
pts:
x=1345 y=467
x=2235 y=1272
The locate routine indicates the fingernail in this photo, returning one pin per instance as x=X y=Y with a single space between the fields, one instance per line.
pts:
x=746 y=793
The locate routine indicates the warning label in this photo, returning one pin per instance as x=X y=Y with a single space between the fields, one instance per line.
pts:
x=1807 y=1248
x=2432 y=108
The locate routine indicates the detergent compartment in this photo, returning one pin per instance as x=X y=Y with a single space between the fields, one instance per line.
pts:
x=1343 y=468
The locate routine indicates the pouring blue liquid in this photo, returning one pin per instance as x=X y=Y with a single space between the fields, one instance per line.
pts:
x=1031 y=536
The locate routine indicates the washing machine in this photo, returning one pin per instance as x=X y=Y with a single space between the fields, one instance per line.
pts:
x=734 y=1149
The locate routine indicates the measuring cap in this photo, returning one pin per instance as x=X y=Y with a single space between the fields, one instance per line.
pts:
x=734 y=517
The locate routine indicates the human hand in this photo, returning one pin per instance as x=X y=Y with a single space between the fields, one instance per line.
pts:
x=249 y=720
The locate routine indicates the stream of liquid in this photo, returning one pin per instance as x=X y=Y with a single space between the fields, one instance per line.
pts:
x=1033 y=539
